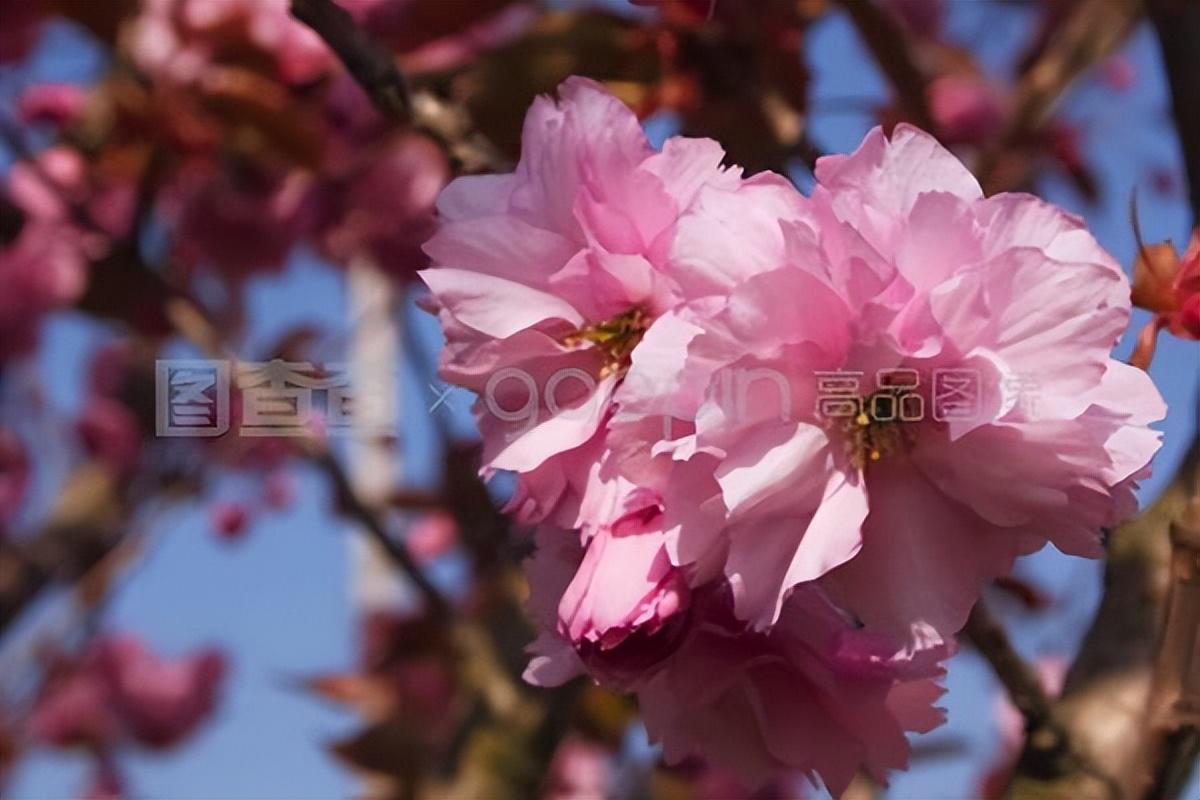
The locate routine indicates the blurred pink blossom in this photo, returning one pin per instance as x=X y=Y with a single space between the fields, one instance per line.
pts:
x=432 y=535
x=43 y=253
x=229 y=520
x=966 y=109
x=383 y=209
x=1119 y=73
x=59 y=104
x=118 y=690
x=179 y=40
x=580 y=770
x=110 y=434
x=243 y=220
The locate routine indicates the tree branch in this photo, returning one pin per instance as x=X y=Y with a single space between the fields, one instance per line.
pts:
x=1106 y=699
x=1170 y=742
x=1178 y=27
x=1024 y=688
x=889 y=44
x=1048 y=743
x=371 y=65
x=1094 y=29
x=350 y=504
x=374 y=69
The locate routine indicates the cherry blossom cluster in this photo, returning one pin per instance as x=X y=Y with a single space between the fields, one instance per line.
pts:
x=116 y=692
x=778 y=586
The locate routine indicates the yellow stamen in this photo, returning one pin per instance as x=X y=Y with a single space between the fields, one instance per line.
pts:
x=869 y=438
x=615 y=339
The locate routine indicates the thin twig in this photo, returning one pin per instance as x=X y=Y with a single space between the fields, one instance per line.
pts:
x=1048 y=743
x=352 y=506
x=1021 y=682
x=889 y=44
x=1092 y=31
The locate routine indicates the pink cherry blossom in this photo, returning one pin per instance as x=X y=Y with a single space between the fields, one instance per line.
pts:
x=432 y=535
x=109 y=432
x=181 y=41
x=626 y=602
x=118 y=690
x=58 y=104
x=813 y=695
x=580 y=770
x=898 y=263
x=547 y=278
x=75 y=711
x=160 y=701
x=229 y=520
x=43 y=252
x=384 y=207
x=967 y=109
x=241 y=221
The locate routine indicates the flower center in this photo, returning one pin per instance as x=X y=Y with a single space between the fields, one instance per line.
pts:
x=615 y=339
x=881 y=427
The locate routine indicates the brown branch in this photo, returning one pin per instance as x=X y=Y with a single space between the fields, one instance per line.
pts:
x=889 y=44
x=190 y=320
x=1048 y=743
x=371 y=65
x=352 y=506
x=1093 y=30
x=374 y=69
x=1170 y=741
x=1178 y=27
x=1106 y=698
x=1020 y=681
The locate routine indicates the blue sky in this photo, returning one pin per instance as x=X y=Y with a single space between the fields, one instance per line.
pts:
x=278 y=601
